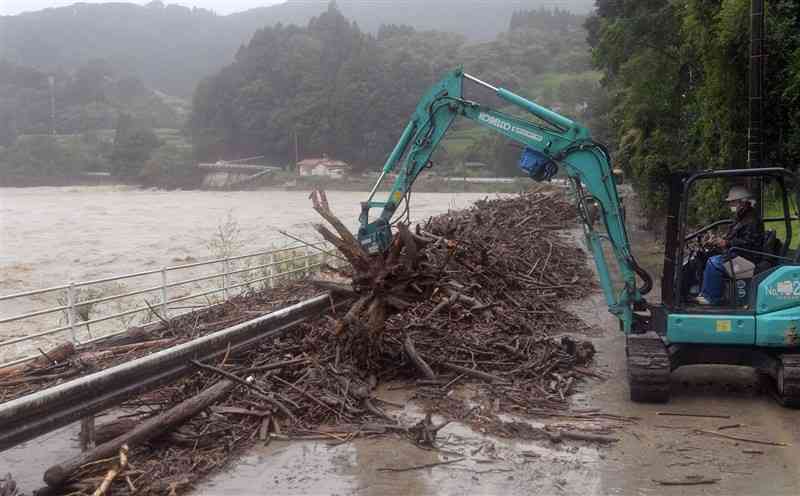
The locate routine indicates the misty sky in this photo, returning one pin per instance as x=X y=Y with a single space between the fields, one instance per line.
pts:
x=219 y=6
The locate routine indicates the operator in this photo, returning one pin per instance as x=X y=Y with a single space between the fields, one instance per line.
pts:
x=747 y=232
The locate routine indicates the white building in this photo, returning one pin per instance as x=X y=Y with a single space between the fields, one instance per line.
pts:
x=322 y=167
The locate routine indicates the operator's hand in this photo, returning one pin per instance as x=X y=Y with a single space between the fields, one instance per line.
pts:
x=710 y=240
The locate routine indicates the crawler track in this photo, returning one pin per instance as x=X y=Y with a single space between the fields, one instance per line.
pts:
x=787 y=383
x=648 y=368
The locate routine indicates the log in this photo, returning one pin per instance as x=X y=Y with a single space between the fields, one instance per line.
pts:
x=422 y=366
x=475 y=373
x=110 y=430
x=689 y=481
x=126 y=348
x=136 y=334
x=350 y=253
x=741 y=439
x=351 y=318
x=32 y=379
x=581 y=436
x=11 y=371
x=56 y=355
x=412 y=252
x=233 y=410
x=257 y=391
x=376 y=317
x=114 y=471
x=57 y=475
x=320 y=202
x=8 y=487
x=333 y=287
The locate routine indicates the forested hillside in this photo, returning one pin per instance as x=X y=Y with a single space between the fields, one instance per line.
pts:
x=677 y=74
x=89 y=98
x=348 y=93
x=68 y=128
x=172 y=47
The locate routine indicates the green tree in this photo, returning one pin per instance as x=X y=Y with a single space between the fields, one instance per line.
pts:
x=133 y=145
x=677 y=76
x=171 y=167
x=348 y=94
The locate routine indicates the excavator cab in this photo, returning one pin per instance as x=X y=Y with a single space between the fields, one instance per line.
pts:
x=756 y=323
x=687 y=250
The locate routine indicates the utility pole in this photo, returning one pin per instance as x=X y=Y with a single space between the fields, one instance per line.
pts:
x=52 y=80
x=296 y=148
x=755 y=132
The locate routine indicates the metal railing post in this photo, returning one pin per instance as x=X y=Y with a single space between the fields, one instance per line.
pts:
x=87 y=434
x=225 y=270
x=164 y=300
x=71 y=311
x=271 y=280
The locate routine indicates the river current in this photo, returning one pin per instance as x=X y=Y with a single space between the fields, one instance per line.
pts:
x=51 y=236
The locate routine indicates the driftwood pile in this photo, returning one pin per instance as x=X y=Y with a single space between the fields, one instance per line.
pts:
x=470 y=302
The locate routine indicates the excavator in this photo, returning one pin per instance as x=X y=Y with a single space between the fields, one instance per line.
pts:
x=756 y=324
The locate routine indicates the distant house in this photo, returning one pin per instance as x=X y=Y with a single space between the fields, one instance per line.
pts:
x=322 y=167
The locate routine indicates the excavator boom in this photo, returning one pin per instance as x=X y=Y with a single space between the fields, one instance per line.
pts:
x=552 y=142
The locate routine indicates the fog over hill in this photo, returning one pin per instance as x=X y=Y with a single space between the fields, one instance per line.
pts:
x=172 y=47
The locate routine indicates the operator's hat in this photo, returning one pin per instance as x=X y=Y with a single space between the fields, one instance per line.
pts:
x=738 y=193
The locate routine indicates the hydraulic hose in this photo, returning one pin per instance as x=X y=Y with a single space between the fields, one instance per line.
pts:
x=647 y=279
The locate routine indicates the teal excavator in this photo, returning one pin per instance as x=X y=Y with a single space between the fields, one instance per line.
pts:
x=755 y=325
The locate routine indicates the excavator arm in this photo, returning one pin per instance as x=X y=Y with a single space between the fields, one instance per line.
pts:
x=554 y=142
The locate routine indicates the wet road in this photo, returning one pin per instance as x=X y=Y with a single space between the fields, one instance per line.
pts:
x=668 y=448
x=367 y=467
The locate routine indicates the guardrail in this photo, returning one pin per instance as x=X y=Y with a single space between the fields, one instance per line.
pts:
x=44 y=411
x=87 y=312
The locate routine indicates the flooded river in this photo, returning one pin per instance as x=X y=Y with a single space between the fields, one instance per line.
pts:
x=49 y=236
x=53 y=236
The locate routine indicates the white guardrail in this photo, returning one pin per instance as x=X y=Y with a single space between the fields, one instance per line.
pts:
x=88 y=311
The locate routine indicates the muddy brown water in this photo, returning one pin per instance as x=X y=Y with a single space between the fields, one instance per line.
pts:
x=50 y=236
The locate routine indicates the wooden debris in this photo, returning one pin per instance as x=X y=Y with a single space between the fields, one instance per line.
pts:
x=692 y=480
x=8 y=486
x=742 y=439
x=420 y=467
x=424 y=432
x=697 y=415
x=582 y=436
x=419 y=363
x=149 y=429
x=119 y=466
x=504 y=289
